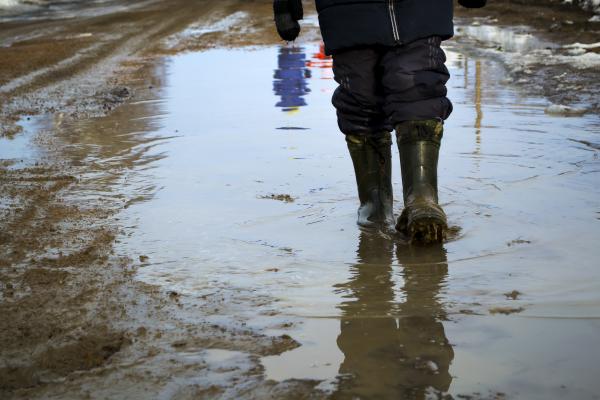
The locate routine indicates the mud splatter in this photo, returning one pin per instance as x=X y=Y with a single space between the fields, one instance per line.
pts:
x=286 y=198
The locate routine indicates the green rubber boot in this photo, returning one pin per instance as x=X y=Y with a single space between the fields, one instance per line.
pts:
x=422 y=220
x=372 y=159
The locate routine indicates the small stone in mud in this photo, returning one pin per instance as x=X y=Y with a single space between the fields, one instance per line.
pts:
x=141 y=331
x=144 y=259
x=506 y=310
x=120 y=93
x=518 y=241
x=468 y=312
x=513 y=295
x=9 y=292
x=179 y=343
x=280 y=197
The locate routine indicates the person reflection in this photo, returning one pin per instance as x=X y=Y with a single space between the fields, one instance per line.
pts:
x=394 y=350
x=290 y=81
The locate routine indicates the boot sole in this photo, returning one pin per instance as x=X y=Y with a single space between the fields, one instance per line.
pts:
x=427 y=231
x=423 y=226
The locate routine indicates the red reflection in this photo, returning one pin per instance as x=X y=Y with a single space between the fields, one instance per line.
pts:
x=323 y=62
x=320 y=59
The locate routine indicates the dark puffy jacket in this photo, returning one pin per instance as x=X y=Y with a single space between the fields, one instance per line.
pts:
x=351 y=23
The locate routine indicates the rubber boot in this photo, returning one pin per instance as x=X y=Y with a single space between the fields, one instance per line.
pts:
x=372 y=159
x=422 y=219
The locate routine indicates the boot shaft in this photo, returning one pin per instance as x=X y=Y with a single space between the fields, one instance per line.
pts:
x=372 y=160
x=419 y=145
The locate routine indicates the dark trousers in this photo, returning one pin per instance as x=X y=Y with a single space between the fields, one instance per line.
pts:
x=380 y=87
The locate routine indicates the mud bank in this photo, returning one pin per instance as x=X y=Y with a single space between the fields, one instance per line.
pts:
x=70 y=306
x=188 y=244
x=549 y=48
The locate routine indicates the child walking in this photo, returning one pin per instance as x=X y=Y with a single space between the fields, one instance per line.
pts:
x=390 y=67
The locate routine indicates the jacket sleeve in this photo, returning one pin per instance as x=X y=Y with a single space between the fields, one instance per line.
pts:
x=287 y=13
x=472 y=3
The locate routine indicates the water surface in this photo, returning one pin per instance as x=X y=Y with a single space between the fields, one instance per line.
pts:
x=379 y=319
x=510 y=308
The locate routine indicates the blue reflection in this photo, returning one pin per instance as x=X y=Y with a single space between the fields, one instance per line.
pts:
x=290 y=81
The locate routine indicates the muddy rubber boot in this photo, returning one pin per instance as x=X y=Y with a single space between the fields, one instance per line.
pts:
x=422 y=220
x=372 y=159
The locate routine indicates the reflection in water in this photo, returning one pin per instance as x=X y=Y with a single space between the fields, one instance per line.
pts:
x=290 y=81
x=394 y=350
x=478 y=108
x=114 y=155
x=466 y=74
x=478 y=114
x=322 y=62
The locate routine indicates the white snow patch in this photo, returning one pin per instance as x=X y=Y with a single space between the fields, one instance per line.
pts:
x=197 y=30
x=218 y=26
x=583 y=45
x=9 y=3
x=520 y=49
x=559 y=109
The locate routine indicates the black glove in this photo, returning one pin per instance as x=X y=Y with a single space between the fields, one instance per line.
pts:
x=287 y=14
x=472 y=3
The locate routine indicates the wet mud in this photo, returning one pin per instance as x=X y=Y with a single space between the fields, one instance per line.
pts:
x=173 y=241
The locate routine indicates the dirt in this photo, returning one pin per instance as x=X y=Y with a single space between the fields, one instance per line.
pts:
x=514 y=295
x=506 y=310
x=286 y=198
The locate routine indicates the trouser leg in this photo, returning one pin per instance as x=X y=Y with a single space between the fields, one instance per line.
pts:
x=359 y=98
x=414 y=82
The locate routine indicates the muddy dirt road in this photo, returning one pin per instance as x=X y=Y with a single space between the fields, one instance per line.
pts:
x=177 y=220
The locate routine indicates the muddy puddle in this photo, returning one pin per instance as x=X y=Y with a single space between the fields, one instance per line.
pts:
x=239 y=186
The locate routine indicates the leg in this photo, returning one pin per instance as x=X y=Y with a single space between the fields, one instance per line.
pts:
x=414 y=82
x=416 y=104
x=361 y=118
x=359 y=98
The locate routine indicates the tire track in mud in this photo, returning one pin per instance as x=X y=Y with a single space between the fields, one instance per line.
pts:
x=43 y=295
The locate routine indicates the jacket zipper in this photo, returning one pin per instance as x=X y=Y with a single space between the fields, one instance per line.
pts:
x=394 y=21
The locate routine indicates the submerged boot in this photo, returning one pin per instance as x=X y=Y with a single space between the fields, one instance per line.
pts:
x=422 y=219
x=372 y=159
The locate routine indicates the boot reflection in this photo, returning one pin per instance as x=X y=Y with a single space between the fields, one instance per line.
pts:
x=394 y=350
